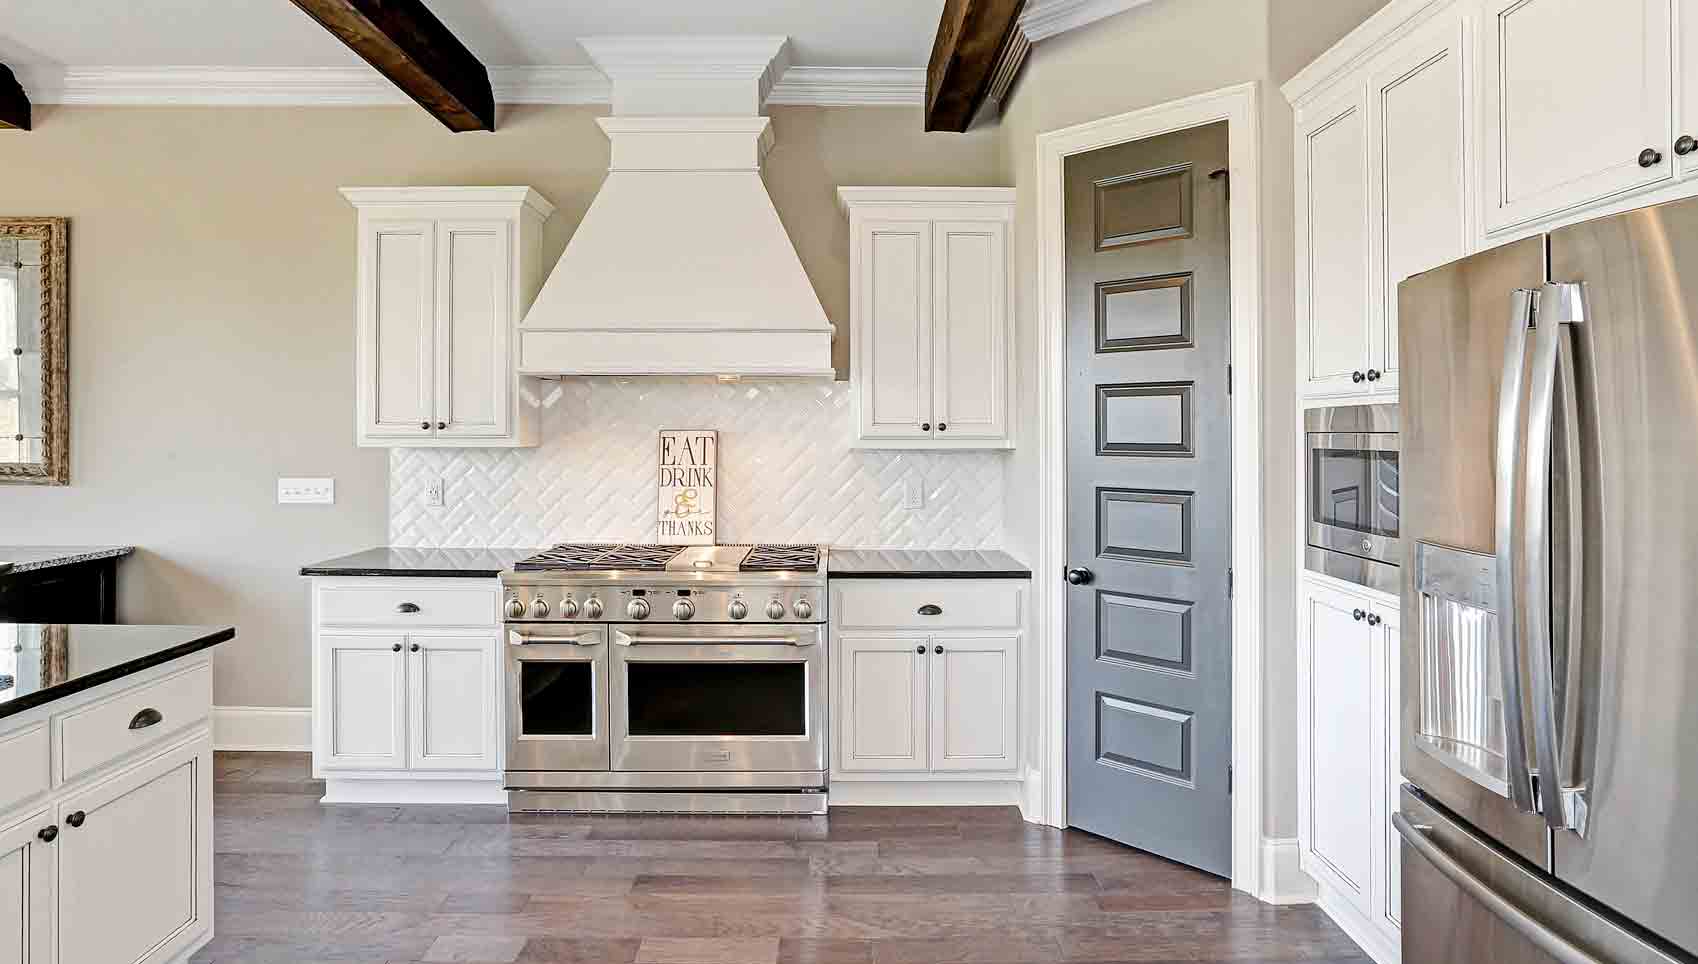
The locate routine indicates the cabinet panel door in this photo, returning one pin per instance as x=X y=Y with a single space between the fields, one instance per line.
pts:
x=398 y=328
x=473 y=318
x=1340 y=791
x=1686 y=81
x=1574 y=91
x=1332 y=282
x=1418 y=161
x=26 y=892
x=972 y=703
x=882 y=703
x=363 y=693
x=133 y=880
x=1388 y=646
x=895 y=354
x=970 y=321
x=451 y=691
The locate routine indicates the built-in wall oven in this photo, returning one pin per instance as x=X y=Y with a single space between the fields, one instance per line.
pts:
x=1351 y=494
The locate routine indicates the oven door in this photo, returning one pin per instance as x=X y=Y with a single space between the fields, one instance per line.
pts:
x=719 y=698
x=556 y=697
x=1353 y=494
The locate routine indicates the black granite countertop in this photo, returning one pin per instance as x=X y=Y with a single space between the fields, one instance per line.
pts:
x=429 y=563
x=55 y=660
x=924 y=564
x=26 y=558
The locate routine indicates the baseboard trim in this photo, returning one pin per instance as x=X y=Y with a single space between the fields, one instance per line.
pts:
x=1032 y=799
x=1375 y=941
x=407 y=792
x=961 y=793
x=1283 y=880
x=269 y=729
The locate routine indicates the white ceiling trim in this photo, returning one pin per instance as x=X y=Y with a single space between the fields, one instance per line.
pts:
x=1043 y=19
x=361 y=86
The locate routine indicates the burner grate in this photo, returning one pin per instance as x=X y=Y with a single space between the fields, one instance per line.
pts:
x=577 y=557
x=779 y=558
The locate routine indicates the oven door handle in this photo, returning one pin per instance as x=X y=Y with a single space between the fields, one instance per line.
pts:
x=631 y=639
x=525 y=639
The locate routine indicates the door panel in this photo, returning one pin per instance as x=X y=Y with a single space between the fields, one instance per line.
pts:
x=1149 y=496
x=1557 y=135
x=969 y=322
x=883 y=698
x=1686 y=81
x=896 y=396
x=401 y=260
x=1332 y=283
x=473 y=366
x=451 y=688
x=26 y=892
x=1337 y=717
x=972 y=703
x=364 y=688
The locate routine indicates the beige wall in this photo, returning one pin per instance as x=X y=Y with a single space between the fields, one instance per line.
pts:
x=212 y=304
x=1156 y=53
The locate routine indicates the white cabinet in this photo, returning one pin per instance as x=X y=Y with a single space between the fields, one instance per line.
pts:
x=881 y=724
x=407 y=699
x=444 y=276
x=26 y=891
x=1382 y=192
x=972 y=702
x=1577 y=103
x=1686 y=88
x=1348 y=733
x=930 y=296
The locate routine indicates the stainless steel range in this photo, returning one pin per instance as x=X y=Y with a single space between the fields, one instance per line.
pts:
x=667 y=678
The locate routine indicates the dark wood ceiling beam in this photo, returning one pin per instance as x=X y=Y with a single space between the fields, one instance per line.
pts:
x=970 y=41
x=408 y=45
x=14 y=103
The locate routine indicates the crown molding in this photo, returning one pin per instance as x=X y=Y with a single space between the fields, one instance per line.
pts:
x=1043 y=19
x=799 y=86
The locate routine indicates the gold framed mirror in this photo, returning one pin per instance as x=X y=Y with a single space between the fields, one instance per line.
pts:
x=35 y=364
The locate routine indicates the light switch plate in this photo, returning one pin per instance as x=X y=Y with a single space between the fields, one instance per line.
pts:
x=913 y=493
x=306 y=491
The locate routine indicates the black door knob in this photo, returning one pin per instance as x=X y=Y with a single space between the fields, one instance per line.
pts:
x=1079 y=577
x=48 y=833
x=76 y=819
x=1358 y=615
x=1358 y=377
x=1650 y=157
x=1685 y=145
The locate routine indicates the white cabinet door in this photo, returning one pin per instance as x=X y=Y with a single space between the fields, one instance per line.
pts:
x=134 y=869
x=26 y=892
x=882 y=703
x=397 y=337
x=1339 y=798
x=972 y=703
x=363 y=702
x=1388 y=645
x=451 y=692
x=473 y=363
x=1332 y=255
x=1686 y=85
x=969 y=322
x=895 y=354
x=1417 y=175
x=1575 y=91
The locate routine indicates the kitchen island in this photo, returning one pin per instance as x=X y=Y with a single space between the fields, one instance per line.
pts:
x=106 y=790
x=67 y=584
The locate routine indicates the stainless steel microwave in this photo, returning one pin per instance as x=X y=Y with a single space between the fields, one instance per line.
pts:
x=1350 y=490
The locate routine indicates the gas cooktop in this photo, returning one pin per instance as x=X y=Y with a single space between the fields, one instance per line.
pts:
x=585 y=557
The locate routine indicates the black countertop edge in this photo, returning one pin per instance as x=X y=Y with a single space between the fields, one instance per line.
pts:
x=325 y=570
x=394 y=561
x=31 y=558
x=145 y=661
x=933 y=574
x=849 y=563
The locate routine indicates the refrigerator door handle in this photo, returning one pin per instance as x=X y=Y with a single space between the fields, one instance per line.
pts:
x=1559 y=305
x=1519 y=920
x=1510 y=394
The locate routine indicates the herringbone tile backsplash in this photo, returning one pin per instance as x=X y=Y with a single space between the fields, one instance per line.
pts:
x=787 y=473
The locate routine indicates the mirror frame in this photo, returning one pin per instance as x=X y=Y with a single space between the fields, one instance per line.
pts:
x=55 y=466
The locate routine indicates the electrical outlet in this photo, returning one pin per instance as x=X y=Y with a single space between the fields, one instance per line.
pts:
x=436 y=495
x=913 y=493
x=306 y=491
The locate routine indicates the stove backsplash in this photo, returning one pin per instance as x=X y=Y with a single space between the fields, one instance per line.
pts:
x=787 y=473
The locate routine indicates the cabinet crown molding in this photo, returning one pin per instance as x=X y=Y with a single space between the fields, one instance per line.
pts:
x=848 y=198
x=1375 y=34
x=528 y=197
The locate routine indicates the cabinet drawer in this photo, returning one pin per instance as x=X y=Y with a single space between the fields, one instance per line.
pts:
x=100 y=733
x=424 y=606
x=898 y=604
x=23 y=760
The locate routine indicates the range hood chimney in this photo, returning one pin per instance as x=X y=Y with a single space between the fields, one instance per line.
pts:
x=681 y=266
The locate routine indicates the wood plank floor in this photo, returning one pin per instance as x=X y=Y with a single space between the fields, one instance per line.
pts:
x=298 y=881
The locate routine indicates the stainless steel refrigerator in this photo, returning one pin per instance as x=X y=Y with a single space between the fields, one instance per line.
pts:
x=1550 y=597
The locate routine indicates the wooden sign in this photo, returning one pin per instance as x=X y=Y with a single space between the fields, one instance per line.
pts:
x=689 y=477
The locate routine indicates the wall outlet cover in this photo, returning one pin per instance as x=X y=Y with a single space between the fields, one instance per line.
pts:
x=913 y=493
x=436 y=492
x=306 y=491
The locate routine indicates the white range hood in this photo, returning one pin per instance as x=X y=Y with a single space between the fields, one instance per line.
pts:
x=681 y=266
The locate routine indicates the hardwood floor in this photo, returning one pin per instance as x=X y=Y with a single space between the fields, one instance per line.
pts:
x=298 y=881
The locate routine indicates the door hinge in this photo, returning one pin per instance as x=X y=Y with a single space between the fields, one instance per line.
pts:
x=1229 y=582
x=1229 y=379
x=1229 y=779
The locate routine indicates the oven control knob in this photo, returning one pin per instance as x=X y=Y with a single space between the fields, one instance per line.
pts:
x=775 y=610
x=683 y=609
x=569 y=608
x=803 y=609
x=738 y=609
x=592 y=608
x=515 y=608
x=539 y=608
x=638 y=608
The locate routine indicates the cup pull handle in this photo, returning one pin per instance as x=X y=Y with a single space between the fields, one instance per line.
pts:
x=931 y=609
x=146 y=718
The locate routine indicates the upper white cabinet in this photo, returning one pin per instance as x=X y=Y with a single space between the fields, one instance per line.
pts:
x=444 y=275
x=1578 y=103
x=930 y=297
x=1382 y=190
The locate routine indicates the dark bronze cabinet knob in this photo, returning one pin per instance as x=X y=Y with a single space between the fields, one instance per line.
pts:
x=1358 y=615
x=441 y=425
x=1079 y=577
x=1373 y=374
x=1373 y=619
x=942 y=427
x=425 y=426
x=48 y=833
x=938 y=650
x=415 y=647
x=1358 y=377
x=76 y=819
x=1650 y=157
x=1685 y=145
x=921 y=649
x=396 y=647
x=925 y=426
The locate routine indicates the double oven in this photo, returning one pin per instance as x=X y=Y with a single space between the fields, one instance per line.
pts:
x=1351 y=480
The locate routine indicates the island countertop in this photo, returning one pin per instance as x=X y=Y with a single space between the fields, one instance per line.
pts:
x=30 y=558
x=55 y=660
x=478 y=563
x=850 y=563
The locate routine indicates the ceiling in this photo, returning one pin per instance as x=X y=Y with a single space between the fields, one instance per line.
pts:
x=273 y=33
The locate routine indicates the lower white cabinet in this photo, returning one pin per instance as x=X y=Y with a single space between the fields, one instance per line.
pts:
x=26 y=892
x=882 y=709
x=1348 y=737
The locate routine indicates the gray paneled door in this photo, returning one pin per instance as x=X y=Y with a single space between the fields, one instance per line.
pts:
x=1149 y=497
